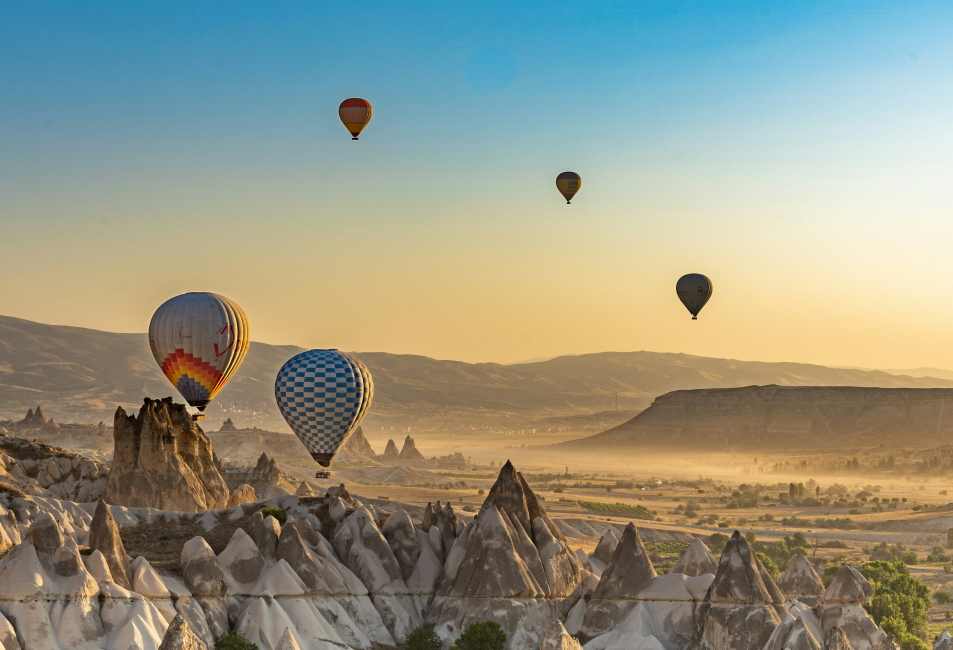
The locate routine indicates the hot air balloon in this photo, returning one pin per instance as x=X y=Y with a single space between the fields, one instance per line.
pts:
x=199 y=340
x=323 y=396
x=355 y=113
x=568 y=183
x=694 y=290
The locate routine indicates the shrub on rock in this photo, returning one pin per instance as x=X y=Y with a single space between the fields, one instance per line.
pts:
x=423 y=638
x=277 y=513
x=234 y=641
x=486 y=635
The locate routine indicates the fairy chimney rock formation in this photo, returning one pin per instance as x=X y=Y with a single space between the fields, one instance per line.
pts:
x=800 y=579
x=162 y=459
x=743 y=605
x=179 y=636
x=228 y=425
x=104 y=537
x=390 y=451
x=410 y=451
x=696 y=561
x=358 y=443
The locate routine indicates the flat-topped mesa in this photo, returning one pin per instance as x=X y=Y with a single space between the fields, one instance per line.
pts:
x=743 y=606
x=163 y=460
x=800 y=579
x=696 y=561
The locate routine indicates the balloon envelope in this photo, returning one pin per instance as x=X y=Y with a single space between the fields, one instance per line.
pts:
x=568 y=183
x=199 y=340
x=323 y=396
x=694 y=290
x=355 y=113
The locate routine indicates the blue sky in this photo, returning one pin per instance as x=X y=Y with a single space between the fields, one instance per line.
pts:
x=798 y=154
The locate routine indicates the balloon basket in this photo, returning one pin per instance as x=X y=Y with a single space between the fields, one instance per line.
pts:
x=198 y=416
x=322 y=475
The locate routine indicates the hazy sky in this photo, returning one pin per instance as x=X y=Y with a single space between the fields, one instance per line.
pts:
x=799 y=154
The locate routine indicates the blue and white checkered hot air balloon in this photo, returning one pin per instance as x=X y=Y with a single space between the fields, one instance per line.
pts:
x=323 y=396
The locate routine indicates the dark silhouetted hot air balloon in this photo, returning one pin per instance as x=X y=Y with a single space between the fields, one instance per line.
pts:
x=694 y=290
x=568 y=183
x=199 y=340
x=355 y=113
x=323 y=396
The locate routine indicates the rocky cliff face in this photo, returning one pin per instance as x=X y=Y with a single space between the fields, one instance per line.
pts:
x=772 y=416
x=163 y=460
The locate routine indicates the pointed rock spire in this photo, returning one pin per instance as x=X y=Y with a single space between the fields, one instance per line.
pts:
x=104 y=537
x=287 y=641
x=837 y=640
x=741 y=578
x=844 y=589
x=179 y=636
x=557 y=638
x=697 y=560
x=629 y=570
x=800 y=579
x=390 y=451
x=304 y=490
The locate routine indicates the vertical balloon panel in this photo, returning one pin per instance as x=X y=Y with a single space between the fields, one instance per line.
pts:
x=323 y=395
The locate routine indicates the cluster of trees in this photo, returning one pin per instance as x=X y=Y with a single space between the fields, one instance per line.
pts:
x=484 y=635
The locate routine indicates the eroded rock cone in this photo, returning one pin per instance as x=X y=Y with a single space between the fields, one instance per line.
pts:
x=430 y=518
x=50 y=426
x=800 y=579
x=228 y=425
x=104 y=537
x=944 y=641
x=628 y=572
x=559 y=639
x=291 y=549
x=837 y=640
x=696 y=561
x=511 y=494
x=287 y=641
x=358 y=443
x=743 y=606
x=844 y=589
x=179 y=636
x=304 y=490
x=409 y=451
x=265 y=472
x=244 y=493
x=390 y=451
x=793 y=634
x=402 y=539
x=163 y=460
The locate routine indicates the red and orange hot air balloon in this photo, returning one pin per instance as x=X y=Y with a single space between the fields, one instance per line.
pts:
x=355 y=113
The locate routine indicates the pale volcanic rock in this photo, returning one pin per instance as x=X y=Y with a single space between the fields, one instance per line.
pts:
x=206 y=582
x=697 y=560
x=179 y=636
x=603 y=551
x=793 y=634
x=557 y=638
x=628 y=572
x=304 y=490
x=409 y=452
x=265 y=531
x=943 y=642
x=743 y=605
x=841 y=607
x=357 y=443
x=104 y=537
x=837 y=640
x=244 y=493
x=800 y=579
x=287 y=641
x=402 y=537
x=163 y=460
x=390 y=452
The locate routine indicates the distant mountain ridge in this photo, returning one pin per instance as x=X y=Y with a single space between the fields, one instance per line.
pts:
x=82 y=375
